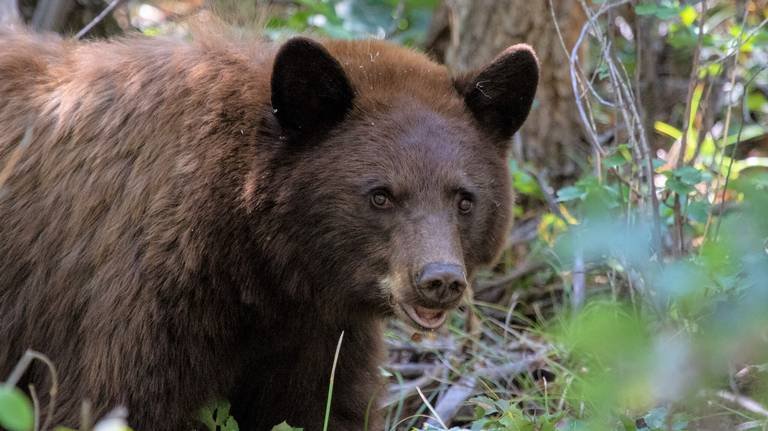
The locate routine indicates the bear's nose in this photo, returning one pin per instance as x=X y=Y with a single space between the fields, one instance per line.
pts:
x=441 y=282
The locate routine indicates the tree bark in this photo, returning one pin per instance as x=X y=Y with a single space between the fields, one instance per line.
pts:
x=9 y=13
x=51 y=15
x=467 y=34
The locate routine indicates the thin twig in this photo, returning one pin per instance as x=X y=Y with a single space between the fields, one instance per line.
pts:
x=510 y=310
x=749 y=425
x=735 y=146
x=523 y=269
x=107 y=10
x=35 y=407
x=728 y=113
x=22 y=366
x=573 y=61
x=579 y=281
x=625 y=101
x=743 y=39
x=405 y=389
x=431 y=409
x=587 y=83
x=549 y=197
x=452 y=400
x=412 y=370
x=744 y=402
x=679 y=249
x=692 y=84
x=396 y=17
x=524 y=231
x=639 y=137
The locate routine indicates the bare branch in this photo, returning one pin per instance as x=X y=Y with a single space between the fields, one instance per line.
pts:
x=103 y=14
x=452 y=400
x=744 y=402
x=692 y=84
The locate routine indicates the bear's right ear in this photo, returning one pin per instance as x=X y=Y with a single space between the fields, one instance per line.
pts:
x=310 y=91
x=500 y=95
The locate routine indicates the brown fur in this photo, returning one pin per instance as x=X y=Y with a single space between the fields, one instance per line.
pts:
x=167 y=239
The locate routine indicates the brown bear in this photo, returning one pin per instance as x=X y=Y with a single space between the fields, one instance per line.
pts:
x=192 y=221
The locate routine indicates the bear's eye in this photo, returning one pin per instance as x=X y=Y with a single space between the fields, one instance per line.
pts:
x=465 y=205
x=380 y=199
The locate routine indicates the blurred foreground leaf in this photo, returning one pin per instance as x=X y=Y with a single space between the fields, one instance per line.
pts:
x=15 y=409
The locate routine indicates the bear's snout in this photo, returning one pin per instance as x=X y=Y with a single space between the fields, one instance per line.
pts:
x=441 y=283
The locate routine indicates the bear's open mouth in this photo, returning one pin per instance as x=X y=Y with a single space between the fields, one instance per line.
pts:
x=425 y=318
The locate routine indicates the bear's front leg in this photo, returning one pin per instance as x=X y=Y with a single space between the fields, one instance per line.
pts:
x=162 y=366
x=292 y=386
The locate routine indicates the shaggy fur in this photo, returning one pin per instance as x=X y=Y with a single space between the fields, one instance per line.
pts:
x=186 y=224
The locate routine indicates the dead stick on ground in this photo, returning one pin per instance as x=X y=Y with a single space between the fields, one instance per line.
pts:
x=524 y=269
x=455 y=397
x=743 y=402
x=450 y=403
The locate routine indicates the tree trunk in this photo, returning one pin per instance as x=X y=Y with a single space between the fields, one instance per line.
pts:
x=469 y=33
x=9 y=13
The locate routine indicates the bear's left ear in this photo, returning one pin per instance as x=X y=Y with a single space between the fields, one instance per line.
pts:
x=310 y=91
x=501 y=94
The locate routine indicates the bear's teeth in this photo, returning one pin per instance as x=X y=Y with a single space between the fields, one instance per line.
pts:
x=429 y=314
x=425 y=318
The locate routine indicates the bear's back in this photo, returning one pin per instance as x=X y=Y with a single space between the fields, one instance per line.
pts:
x=113 y=151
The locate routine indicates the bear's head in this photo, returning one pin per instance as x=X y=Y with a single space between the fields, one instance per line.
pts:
x=393 y=180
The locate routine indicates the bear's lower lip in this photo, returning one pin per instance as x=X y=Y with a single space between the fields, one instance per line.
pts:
x=425 y=318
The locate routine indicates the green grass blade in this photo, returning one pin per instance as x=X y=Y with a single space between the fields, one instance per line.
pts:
x=330 y=386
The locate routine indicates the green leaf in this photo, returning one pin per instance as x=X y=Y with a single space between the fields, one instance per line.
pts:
x=662 y=12
x=283 y=426
x=679 y=187
x=570 y=193
x=523 y=182
x=230 y=425
x=602 y=71
x=614 y=161
x=757 y=102
x=627 y=423
x=751 y=131
x=645 y=9
x=216 y=417
x=15 y=409
x=698 y=211
x=688 y=15
x=688 y=175
x=712 y=69
x=657 y=163
x=668 y=130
